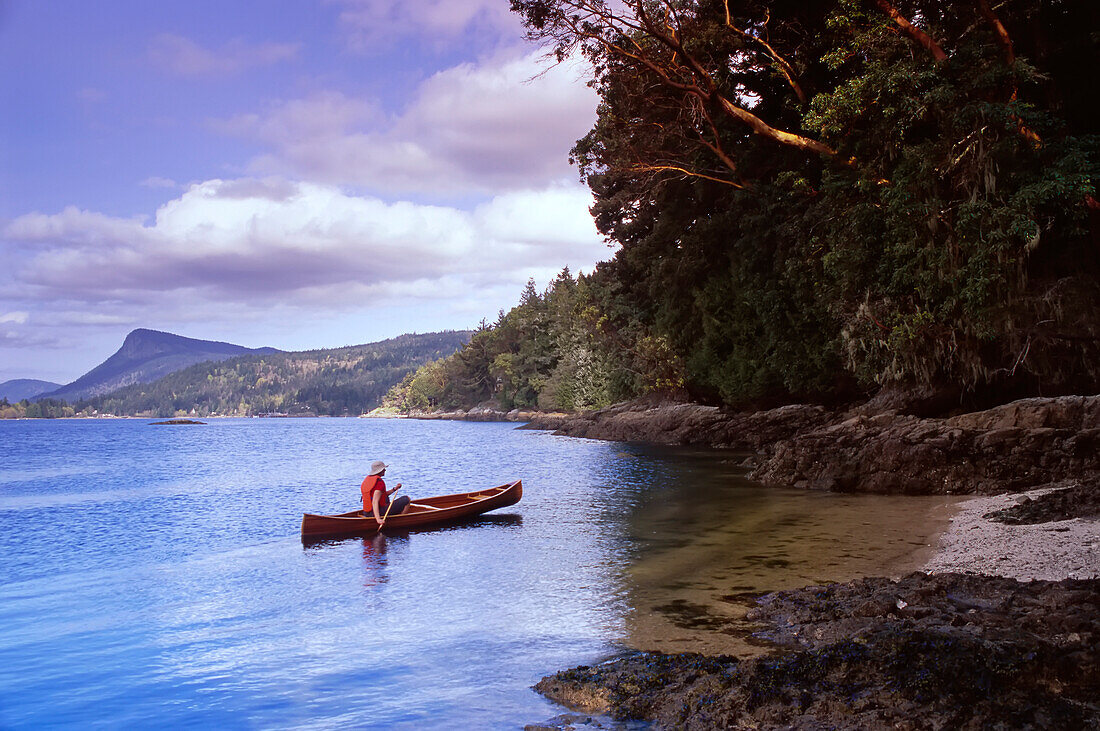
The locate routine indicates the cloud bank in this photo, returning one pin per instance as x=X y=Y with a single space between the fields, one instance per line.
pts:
x=251 y=239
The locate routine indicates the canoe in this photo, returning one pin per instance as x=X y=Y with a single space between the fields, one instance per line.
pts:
x=420 y=513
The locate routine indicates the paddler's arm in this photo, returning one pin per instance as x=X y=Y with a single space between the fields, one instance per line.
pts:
x=395 y=489
x=374 y=498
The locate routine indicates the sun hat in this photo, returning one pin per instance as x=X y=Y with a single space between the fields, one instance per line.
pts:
x=377 y=466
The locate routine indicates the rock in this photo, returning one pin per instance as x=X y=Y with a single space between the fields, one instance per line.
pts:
x=567 y=722
x=1014 y=448
x=965 y=652
x=685 y=424
x=1066 y=412
x=1081 y=500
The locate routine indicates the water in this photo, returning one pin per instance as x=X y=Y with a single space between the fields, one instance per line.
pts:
x=154 y=575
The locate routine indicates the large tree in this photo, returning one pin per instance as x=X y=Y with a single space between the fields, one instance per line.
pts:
x=897 y=191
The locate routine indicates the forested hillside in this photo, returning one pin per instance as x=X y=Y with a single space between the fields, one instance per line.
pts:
x=815 y=200
x=336 y=382
x=556 y=350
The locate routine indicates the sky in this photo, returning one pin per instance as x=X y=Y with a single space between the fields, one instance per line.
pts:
x=296 y=174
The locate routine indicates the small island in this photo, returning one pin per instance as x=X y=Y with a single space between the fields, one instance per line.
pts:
x=175 y=422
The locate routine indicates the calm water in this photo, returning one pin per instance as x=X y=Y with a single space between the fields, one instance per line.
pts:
x=154 y=575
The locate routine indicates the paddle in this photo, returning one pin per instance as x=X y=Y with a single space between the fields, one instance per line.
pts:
x=388 y=508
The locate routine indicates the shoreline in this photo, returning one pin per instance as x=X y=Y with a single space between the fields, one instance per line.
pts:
x=981 y=636
x=985 y=621
x=1014 y=447
x=1047 y=551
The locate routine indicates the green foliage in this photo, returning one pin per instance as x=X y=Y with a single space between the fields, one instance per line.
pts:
x=44 y=409
x=559 y=350
x=941 y=235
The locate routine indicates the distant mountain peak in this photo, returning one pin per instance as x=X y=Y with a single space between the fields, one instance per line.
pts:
x=145 y=356
x=143 y=342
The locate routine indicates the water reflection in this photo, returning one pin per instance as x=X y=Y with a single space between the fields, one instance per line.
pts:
x=503 y=520
x=500 y=520
x=374 y=561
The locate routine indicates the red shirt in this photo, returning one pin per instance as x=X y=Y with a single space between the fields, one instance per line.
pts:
x=370 y=484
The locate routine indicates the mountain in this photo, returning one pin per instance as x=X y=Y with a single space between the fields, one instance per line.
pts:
x=22 y=388
x=145 y=356
x=344 y=381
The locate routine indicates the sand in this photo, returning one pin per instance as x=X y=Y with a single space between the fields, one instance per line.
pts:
x=1065 y=549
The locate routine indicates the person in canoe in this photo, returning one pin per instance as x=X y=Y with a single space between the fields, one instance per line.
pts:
x=376 y=498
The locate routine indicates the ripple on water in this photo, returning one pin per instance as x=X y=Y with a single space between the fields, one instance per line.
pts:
x=156 y=576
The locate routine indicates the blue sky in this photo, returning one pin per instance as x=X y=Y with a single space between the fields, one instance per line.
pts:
x=299 y=174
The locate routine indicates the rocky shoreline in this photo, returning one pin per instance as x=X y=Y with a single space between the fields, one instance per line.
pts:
x=1019 y=446
x=925 y=652
x=978 y=639
x=1000 y=629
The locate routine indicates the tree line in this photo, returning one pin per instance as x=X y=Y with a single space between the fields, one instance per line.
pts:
x=42 y=409
x=573 y=346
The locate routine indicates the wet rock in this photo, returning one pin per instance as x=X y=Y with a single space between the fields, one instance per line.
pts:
x=478 y=413
x=685 y=424
x=571 y=722
x=952 y=651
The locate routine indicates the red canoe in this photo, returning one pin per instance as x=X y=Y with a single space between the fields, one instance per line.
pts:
x=420 y=513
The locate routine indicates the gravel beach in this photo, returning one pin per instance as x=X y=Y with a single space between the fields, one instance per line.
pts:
x=1050 y=551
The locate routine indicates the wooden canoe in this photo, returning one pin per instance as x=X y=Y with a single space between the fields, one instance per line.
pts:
x=420 y=513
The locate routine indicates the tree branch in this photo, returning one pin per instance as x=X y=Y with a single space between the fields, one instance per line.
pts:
x=1003 y=39
x=1005 y=42
x=784 y=67
x=913 y=31
x=688 y=173
x=755 y=123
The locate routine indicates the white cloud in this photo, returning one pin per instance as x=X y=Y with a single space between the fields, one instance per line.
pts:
x=370 y=24
x=271 y=240
x=21 y=339
x=486 y=127
x=19 y=318
x=184 y=57
x=102 y=319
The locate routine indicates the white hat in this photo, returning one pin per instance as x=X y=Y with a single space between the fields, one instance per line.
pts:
x=376 y=467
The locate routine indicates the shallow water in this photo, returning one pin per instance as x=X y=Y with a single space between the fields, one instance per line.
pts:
x=704 y=547
x=154 y=574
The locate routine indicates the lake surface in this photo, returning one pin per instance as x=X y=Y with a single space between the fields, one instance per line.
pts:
x=154 y=575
